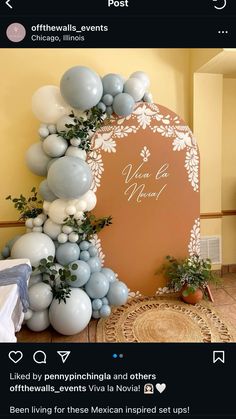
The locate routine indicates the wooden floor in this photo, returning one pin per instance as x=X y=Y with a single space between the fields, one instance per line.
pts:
x=224 y=301
x=50 y=335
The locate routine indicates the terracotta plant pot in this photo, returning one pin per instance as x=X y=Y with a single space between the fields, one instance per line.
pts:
x=193 y=297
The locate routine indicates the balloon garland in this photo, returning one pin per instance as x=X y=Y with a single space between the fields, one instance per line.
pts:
x=69 y=284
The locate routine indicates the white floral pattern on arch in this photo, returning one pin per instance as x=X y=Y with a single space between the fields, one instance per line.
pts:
x=148 y=116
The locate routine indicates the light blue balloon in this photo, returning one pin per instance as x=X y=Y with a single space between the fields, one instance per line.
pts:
x=93 y=251
x=117 y=294
x=95 y=264
x=123 y=104
x=97 y=286
x=107 y=99
x=112 y=84
x=111 y=276
x=82 y=273
x=6 y=252
x=51 y=162
x=84 y=255
x=11 y=242
x=105 y=311
x=148 y=98
x=96 y=314
x=81 y=87
x=84 y=245
x=97 y=304
x=36 y=160
x=69 y=177
x=55 y=146
x=46 y=192
x=67 y=253
x=105 y=301
x=102 y=107
x=109 y=110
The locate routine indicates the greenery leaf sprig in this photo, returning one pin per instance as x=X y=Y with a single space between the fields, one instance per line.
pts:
x=82 y=128
x=89 y=226
x=28 y=207
x=57 y=279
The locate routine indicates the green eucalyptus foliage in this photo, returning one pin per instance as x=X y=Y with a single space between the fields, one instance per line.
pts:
x=28 y=207
x=82 y=128
x=89 y=226
x=57 y=279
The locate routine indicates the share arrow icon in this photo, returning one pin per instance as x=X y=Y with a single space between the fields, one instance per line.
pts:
x=64 y=355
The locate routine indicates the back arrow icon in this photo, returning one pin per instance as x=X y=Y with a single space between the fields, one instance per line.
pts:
x=8 y=4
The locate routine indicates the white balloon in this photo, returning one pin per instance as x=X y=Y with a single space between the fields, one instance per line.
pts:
x=29 y=223
x=79 y=215
x=28 y=314
x=40 y=296
x=141 y=75
x=35 y=279
x=46 y=206
x=38 y=221
x=52 y=229
x=39 y=321
x=75 y=142
x=62 y=238
x=33 y=246
x=73 y=316
x=37 y=229
x=81 y=205
x=57 y=211
x=76 y=152
x=67 y=229
x=91 y=200
x=71 y=210
x=73 y=237
x=42 y=217
x=48 y=104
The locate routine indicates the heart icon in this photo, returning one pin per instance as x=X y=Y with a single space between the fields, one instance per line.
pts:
x=15 y=356
x=160 y=387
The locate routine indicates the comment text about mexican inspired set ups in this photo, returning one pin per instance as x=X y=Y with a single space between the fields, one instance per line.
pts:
x=103 y=394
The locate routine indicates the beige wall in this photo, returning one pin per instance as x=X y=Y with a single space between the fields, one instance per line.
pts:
x=229 y=170
x=24 y=70
x=207 y=127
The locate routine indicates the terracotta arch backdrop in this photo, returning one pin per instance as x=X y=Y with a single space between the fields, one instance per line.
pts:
x=146 y=175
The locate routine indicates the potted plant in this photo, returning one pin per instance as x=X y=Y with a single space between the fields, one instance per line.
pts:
x=190 y=276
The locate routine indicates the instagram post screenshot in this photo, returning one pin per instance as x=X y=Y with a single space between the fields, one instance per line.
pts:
x=117 y=209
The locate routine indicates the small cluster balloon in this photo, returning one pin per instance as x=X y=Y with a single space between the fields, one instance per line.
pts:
x=67 y=115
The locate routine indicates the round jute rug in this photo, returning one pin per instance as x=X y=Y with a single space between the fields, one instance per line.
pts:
x=157 y=319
